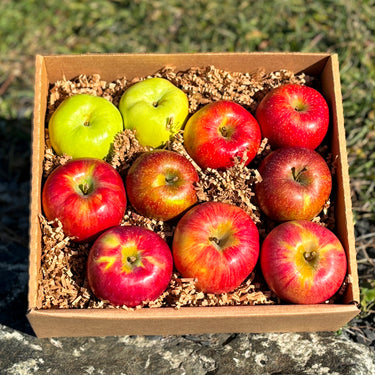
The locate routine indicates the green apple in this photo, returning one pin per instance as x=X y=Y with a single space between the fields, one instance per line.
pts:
x=84 y=126
x=156 y=109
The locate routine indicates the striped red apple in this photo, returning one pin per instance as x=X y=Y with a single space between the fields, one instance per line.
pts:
x=220 y=132
x=87 y=195
x=160 y=184
x=129 y=265
x=293 y=115
x=303 y=262
x=296 y=183
x=217 y=244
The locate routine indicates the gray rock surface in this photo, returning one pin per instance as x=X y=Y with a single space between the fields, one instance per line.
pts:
x=287 y=353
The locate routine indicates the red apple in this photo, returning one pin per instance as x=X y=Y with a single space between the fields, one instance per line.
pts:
x=296 y=183
x=216 y=243
x=128 y=265
x=86 y=195
x=293 y=116
x=220 y=132
x=303 y=262
x=160 y=184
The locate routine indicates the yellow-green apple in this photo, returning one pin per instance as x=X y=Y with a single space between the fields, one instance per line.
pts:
x=87 y=196
x=161 y=184
x=220 y=132
x=155 y=108
x=129 y=265
x=293 y=115
x=84 y=126
x=296 y=183
x=303 y=262
x=218 y=244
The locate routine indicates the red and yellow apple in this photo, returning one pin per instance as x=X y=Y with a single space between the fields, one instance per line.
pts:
x=303 y=262
x=220 y=132
x=293 y=115
x=217 y=244
x=86 y=195
x=296 y=183
x=160 y=184
x=129 y=265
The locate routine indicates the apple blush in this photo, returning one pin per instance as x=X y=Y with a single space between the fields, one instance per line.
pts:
x=129 y=265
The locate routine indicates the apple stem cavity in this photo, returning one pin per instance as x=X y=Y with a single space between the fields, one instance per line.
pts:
x=309 y=255
x=301 y=106
x=224 y=131
x=171 y=179
x=297 y=177
x=219 y=243
x=131 y=259
x=86 y=188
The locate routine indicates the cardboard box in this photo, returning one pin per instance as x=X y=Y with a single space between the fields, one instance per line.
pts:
x=192 y=320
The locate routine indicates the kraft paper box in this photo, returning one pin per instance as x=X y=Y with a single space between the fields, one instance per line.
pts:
x=192 y=320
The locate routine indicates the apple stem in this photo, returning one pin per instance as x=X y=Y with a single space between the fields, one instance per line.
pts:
x=171 y=179
x=297 y=176
x=155 y=104
x=215 y=240
x=224 y=131
x=85 y=188
x=309 y=255
x=131 y=259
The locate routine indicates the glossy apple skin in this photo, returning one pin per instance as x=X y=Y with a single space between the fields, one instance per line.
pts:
x=156 y=109
x=84 y=126
x=296 y=183
x=290 y=275
x=160 y=184
x=128 y=265
x=84 y=215
x=216 y=243
x=219 y=132
x=293 y=116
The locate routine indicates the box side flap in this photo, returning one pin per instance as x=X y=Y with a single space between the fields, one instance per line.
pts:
x=113 y=66
x=191 y=320
x=345 y=225
x=40 y=103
